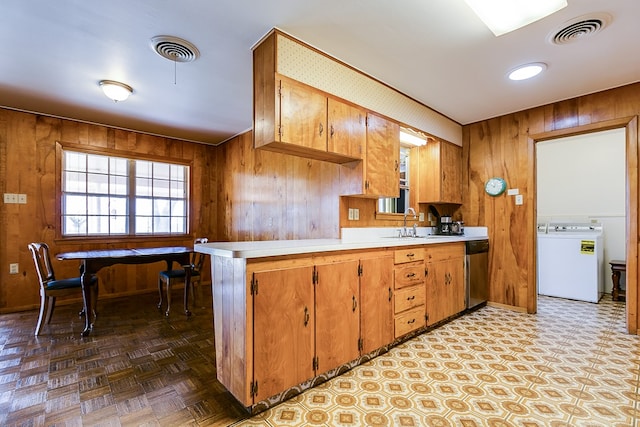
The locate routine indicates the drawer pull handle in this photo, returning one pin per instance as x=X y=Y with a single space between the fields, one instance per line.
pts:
x=411 y=321
x=354 y=303
x=411 y=255
x=411 y=275
x=306 y=316
x=390 y=294
x=412 y=297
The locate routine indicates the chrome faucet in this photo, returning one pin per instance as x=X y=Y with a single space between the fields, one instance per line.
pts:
x=410 y=210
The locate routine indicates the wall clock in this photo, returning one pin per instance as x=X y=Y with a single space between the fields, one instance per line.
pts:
x=495 y=186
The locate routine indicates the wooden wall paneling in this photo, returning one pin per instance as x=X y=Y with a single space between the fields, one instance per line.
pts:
x=504 y=146
x=633 y=224
x=273 y=196
x=29 y=165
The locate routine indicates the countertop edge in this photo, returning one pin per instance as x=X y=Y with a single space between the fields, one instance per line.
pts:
x=262 y=249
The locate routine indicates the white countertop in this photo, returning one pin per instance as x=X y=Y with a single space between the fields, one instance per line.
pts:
x=362 y=238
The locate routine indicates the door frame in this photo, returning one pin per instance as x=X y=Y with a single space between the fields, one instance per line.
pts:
x=630 y=125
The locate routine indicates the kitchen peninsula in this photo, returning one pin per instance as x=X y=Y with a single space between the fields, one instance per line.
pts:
x=290 y=314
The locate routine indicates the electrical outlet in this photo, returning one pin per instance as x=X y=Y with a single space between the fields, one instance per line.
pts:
x=519 y=199
x=22 y=199
x=10 y=198
x=14 y=268
x=421 y=217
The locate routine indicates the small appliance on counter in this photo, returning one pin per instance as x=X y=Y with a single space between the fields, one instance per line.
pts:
x=444 y=225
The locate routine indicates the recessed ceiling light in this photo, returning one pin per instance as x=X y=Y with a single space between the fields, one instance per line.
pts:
x=527 y=71
x=503 y=16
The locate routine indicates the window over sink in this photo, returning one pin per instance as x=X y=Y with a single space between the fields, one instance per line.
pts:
x=408 y=140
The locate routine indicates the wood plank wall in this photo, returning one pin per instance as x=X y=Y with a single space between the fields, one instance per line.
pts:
x=28 y=166
x=272 y=196
x=505 y=146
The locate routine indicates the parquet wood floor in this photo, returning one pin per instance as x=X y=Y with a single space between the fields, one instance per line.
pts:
x=137 y=368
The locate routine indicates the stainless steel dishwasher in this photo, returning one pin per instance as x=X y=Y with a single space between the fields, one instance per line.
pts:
x=477 y=272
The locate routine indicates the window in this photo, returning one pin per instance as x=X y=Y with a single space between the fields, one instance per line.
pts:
x=115 y=196
x=398 y=204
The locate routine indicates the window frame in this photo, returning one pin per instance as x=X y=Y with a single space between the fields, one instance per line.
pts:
x=129 y=155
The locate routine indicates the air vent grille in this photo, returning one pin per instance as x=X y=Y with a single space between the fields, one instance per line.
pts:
x=579 y=28
x=174 y=49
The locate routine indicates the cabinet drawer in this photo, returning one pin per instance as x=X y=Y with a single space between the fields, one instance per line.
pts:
x=409 y=255
x=444 y=252
x=408 y=274
x=409 y=321
x=409 y=298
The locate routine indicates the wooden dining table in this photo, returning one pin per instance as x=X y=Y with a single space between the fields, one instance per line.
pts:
x=93 y=260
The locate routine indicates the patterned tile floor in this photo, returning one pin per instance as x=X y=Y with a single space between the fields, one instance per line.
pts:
x=572 y=364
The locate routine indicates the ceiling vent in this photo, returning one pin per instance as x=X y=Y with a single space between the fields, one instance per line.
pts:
x=174 y=49
x=579 y=28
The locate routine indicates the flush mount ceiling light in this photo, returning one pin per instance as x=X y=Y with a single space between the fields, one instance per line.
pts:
x=115 y=91
x=503 y=16
x=527 y=71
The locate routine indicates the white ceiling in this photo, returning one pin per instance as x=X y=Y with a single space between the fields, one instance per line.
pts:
x=436 y=51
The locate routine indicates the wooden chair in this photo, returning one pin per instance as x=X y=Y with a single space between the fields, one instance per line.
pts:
x=168 y=277
x=51 y=288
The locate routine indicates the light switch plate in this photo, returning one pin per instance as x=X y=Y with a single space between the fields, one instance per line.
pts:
x=10 y=198
x=513 y=192
x=22 y=199
x=519 y=199
x=356 y=214
x=14 y=268
x=421 y=217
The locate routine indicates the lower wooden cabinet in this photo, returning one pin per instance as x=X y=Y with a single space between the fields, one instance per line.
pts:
x=376 y=294
x=444 y=267
x=337 y=309
x=283 y=330
x=282 y=321
x=409 y=285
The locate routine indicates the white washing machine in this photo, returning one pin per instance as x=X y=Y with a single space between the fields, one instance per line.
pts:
x=570 y=257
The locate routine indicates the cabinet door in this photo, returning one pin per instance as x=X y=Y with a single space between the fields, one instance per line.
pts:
x=337 y=314
x=382 y=158
x=435 y=173
x=445 y=289
x=451 y=173
x=303 y=116
x=456 y=285
x=436 y=285
x=347 y=129
x=376 y=308
x=283 y=330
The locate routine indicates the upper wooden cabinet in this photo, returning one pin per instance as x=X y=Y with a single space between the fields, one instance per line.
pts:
x=435 y=173
x=294 y=118
x=382 y=158
x=347 y=129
